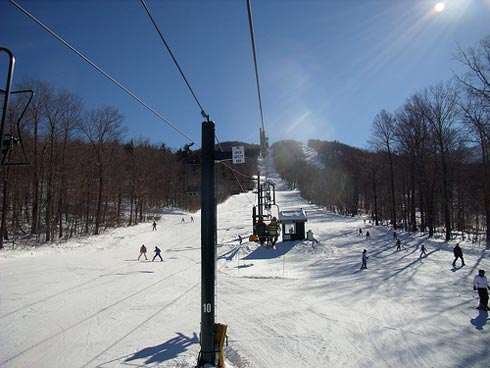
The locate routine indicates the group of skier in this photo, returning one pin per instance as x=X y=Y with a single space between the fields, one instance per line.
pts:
x=480 y=282
x=368 y=236
x=157 y=251
x=271 y=232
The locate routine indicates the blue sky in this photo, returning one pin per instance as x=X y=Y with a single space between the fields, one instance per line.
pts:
x=326 y=67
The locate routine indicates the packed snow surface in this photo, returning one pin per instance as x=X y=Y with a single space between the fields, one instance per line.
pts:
x=90 y=303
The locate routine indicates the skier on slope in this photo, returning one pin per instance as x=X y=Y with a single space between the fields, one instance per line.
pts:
x=142 y=252
x=458 y=253
x=480 y=283
x=157 y=254
x=364 y=259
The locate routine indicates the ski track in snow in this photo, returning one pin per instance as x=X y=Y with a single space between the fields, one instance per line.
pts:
x=90 y=303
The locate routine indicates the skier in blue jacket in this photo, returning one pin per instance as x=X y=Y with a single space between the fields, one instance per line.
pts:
x=364 y=259
x=157 y=254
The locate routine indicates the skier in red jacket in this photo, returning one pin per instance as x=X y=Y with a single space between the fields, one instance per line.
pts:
x=142 y=252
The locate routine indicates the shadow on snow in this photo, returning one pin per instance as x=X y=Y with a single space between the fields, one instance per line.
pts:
x=480 y=321
x=166 y=351
x=270 y=253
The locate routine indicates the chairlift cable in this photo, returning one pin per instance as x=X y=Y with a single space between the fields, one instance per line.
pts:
x=203 y=113
x=59 y=38
x=250 y=22
x=234 y=172
x=252 y=37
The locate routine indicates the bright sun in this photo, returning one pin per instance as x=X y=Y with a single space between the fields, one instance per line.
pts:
x=439 y=7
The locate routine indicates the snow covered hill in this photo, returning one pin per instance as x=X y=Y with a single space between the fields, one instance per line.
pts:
x=91 y=303
x=312 y=156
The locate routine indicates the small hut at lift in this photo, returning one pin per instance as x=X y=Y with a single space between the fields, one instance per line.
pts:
x=293 y=224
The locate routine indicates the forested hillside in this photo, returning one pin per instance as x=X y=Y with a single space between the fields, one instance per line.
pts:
x=351 y=182
x=84 y=175
x=426 y=168
x=428 y=164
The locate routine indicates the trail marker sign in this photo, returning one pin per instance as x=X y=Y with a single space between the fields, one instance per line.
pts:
x=238 y=154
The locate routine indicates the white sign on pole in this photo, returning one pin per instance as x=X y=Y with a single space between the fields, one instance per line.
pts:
x=238 y=154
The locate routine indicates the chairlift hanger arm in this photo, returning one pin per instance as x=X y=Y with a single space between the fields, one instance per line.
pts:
x=10 y=76
x=19 y=138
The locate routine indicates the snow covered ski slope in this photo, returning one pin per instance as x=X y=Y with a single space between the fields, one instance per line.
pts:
x=90 y=303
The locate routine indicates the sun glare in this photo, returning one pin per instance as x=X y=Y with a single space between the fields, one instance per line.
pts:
x=439 y=7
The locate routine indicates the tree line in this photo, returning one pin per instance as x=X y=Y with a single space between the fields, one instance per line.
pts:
x=428 y=166
x=84 y=176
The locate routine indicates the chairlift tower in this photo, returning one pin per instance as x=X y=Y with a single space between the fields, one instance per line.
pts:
x=208 y=247
x=266 y=198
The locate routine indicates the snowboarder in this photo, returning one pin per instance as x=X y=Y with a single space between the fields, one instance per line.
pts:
x=480 y=283
x=154 y=226
x=360 y=231
x=368 y=236
x=398 y=245
x=157 y=254
x=458 y=253
x=182 y=221
x=364 y=259
x=240 y=239
x=192 y=219
x=422 y=251
x=142 y=252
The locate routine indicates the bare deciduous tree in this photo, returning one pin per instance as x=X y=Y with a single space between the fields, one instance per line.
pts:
x=383 y=138
x=101 y=127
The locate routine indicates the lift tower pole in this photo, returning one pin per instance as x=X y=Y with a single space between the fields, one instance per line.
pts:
x=208 y=247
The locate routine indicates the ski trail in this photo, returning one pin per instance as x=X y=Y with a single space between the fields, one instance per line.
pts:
x=89 y=317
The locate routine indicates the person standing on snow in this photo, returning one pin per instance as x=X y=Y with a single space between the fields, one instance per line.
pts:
x=422 y=251
x=398 y=245
x=157 y=254
x=458 y=253
x=480 y=283
x=142 y=252
x=364 y=259
x=154 y=226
